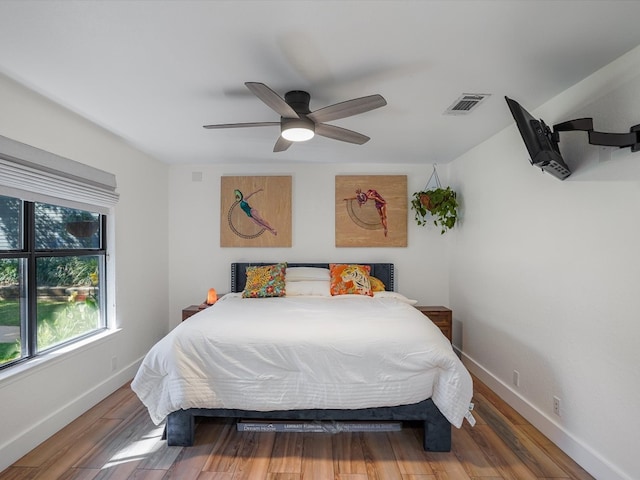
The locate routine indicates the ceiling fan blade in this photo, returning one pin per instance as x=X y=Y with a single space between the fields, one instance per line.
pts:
x=348 y=108
x=272 y=99
x=240 y=125
x=339 y=133
x=282 y=144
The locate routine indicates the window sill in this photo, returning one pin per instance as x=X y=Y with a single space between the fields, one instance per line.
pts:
x=35 y=365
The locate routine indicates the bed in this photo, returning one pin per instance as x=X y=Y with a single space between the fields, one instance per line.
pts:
x=317 y=357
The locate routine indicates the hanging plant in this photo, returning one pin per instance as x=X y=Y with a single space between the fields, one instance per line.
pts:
x=439 y=203
x=82 y=229
x=81 y=224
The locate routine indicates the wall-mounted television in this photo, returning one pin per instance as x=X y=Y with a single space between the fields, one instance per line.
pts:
x=540 y=142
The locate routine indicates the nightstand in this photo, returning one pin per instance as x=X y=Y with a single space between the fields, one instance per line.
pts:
x=190 y=310
x=193 y=309
x=441 y=316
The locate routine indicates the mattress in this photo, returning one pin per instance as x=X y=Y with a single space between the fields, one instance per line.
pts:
x=343 y=352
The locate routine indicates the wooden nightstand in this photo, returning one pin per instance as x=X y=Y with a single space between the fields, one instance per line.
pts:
x=193 y=309
x=190 y=310
x=441 y=316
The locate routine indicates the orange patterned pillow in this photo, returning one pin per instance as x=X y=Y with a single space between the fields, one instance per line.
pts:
x=350 y=279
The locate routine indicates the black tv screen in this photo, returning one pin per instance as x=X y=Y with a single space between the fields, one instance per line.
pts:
x=540 y=142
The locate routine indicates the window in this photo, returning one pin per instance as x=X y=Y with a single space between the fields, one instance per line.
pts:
x=53 y=252
x=52 y=277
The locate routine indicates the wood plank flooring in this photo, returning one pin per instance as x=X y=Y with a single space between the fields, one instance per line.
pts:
x=117 y=440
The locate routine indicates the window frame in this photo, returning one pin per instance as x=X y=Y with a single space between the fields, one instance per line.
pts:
x=29 y=256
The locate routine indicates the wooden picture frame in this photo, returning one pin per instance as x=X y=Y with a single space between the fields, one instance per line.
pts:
x=371 y=210
x=255 y=211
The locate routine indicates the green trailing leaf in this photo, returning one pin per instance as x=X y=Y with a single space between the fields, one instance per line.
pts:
x=440 y=203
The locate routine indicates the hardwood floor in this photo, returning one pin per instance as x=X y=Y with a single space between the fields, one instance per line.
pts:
x=116 y=440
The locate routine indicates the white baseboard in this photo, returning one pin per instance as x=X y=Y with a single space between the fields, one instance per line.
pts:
x=16 y=447
x=579 y=451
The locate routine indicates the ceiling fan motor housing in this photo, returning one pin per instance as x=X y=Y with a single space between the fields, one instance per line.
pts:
x=298 y=100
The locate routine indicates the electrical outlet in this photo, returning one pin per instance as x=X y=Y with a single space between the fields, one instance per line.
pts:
x=516 y=378
x=556 y=406
x=114 y=363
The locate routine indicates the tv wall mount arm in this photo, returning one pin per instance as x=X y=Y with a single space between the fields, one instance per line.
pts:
x=622 y=140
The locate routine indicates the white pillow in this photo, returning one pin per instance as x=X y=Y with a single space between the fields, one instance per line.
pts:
x=318 y=288
x=297 y=274
x=394 y=295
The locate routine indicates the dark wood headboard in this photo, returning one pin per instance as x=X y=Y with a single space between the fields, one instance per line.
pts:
x=382 y=271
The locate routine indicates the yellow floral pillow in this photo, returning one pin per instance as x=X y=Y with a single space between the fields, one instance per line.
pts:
x=267 y=281
x=376 y=284
x=349 y=279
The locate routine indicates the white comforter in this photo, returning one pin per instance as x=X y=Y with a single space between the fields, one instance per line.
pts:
x=286 y=353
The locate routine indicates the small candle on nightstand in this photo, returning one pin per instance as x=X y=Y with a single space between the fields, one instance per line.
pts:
x=212 y=296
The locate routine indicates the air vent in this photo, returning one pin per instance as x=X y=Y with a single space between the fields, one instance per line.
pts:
x=466 y=103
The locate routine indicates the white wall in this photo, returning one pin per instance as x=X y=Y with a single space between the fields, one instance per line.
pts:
x=545 y=275
x=197 y=262
x=38 y=402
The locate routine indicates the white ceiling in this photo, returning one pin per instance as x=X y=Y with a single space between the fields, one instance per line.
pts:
x=154 y=72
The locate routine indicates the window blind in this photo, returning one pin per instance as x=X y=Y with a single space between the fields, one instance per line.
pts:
x=36 y=175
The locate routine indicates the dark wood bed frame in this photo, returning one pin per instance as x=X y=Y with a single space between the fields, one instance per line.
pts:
x=180 y=426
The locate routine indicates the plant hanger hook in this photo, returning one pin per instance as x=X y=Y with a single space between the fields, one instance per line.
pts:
x=433 y=177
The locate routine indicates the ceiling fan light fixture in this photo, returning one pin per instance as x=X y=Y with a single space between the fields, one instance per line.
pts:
x=298 y=134
x=297 y=129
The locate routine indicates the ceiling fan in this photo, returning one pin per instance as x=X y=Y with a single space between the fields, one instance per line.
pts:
x=297 y=123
